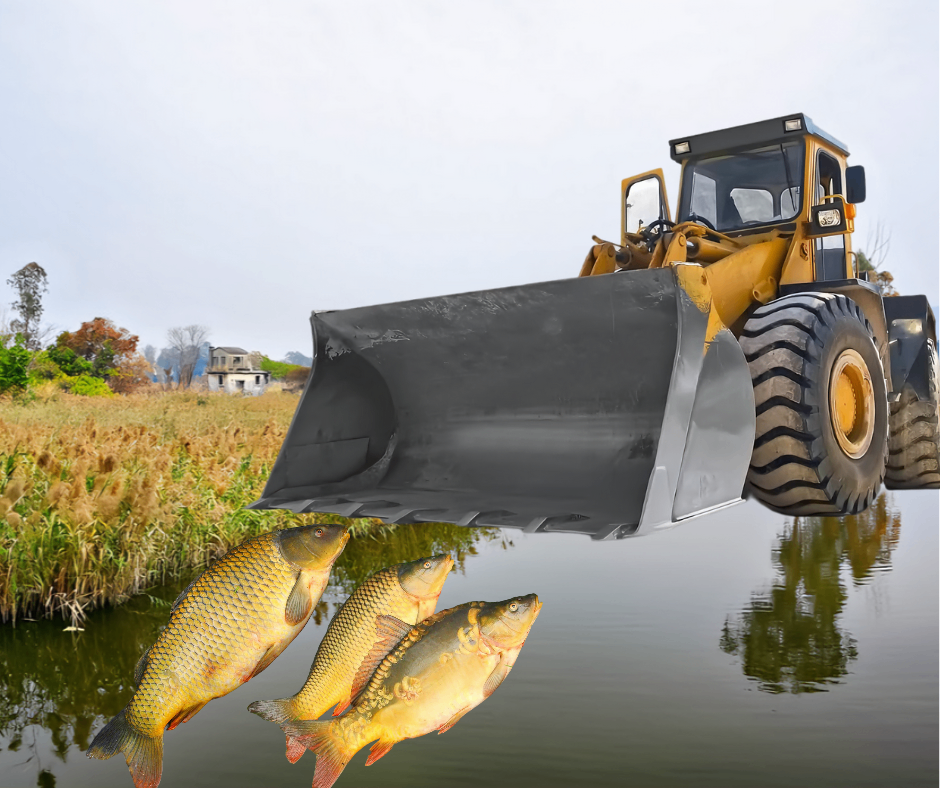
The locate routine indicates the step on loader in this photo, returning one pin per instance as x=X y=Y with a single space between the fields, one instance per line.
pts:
x=736 y=350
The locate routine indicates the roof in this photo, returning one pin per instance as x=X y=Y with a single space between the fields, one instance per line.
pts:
x=764 y=132
x=232 y=350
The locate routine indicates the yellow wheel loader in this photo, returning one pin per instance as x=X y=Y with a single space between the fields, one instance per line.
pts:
x=734 y=350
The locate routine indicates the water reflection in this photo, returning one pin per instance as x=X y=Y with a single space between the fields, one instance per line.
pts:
x=789 y=637
x=70 y=683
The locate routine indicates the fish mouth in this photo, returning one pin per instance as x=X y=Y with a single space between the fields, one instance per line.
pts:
x=446 y=565
x=434 y=589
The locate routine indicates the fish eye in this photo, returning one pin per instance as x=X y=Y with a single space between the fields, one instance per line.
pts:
x=427 y=564
x=513 y=607
x=319 y=532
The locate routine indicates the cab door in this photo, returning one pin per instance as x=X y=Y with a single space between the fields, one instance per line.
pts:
x=643 y=201
x=829 y=252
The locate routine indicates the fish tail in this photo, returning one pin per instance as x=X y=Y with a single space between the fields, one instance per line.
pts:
x=295 y=749
x=144 y=754
x=280 y=711
x=331 y=751
x=276 y=711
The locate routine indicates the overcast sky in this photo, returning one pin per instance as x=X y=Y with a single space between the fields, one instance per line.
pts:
x=239 y=164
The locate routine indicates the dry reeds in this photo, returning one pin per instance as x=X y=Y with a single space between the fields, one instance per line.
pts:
x=101 y=498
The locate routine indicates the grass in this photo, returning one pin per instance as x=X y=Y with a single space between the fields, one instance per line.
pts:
x=100 y=498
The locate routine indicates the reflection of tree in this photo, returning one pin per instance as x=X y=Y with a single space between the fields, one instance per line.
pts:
x=788 y=638
x=870 y=539
x=71 y=682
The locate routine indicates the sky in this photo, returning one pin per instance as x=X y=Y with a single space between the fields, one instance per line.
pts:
x=240 y=164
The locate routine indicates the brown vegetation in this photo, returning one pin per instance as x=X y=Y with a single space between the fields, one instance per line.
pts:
x=102 y=497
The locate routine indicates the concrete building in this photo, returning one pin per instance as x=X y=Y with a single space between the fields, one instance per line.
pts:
x=236 y=371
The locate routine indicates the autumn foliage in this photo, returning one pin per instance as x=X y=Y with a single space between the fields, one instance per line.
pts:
x=110 y=351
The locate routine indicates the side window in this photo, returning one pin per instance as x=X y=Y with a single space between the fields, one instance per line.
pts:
x=829 y=251
x=643 y=204
x=828 y=177
x=789 y=202
x=704 y=198
x=754 y=205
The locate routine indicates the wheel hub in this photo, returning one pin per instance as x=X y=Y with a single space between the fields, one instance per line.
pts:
x=852 y=404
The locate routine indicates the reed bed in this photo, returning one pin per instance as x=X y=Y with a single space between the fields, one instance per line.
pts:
x=102 y=498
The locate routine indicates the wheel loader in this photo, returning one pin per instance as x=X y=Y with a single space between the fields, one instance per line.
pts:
x=734 y=351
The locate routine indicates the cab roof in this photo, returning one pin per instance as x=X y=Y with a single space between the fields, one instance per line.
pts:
x=764 y=132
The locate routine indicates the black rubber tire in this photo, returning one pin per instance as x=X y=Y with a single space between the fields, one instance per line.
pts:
x=798 y=466
x=914 y=437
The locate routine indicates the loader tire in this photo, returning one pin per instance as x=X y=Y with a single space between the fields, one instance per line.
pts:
x=914 y=437
x=822 y=407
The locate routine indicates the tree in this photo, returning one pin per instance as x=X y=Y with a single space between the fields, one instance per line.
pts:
x=105 y=346
x=133 y=372
x=187 y=342
x=30 y=284
x=878 y=245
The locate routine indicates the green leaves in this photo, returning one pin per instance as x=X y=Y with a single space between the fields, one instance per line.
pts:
x=14 y=367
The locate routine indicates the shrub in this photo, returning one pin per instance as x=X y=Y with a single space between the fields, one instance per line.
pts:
x=86 y=386
x=68 y=361
x=281 y=370
x=14 y=367
x=42 y=368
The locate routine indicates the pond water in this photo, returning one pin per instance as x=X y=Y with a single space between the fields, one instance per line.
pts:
x=743 y=649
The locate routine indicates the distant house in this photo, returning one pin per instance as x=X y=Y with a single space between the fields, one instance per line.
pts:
x=236 y=371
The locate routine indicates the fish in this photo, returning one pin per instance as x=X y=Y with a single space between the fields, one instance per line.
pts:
x=226 y=627
x=356 y=640
x=440 y=669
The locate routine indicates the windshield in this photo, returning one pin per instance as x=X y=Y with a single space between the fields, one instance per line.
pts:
x=760 y=186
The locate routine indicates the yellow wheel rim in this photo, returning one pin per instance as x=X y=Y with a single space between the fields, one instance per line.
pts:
x=852 y=404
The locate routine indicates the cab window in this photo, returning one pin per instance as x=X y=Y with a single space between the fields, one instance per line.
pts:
x=830 y=250
x=754 y=187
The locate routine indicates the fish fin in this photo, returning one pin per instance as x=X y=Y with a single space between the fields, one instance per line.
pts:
x=144 y=754
x=185 y=715
x=194 y=711
x=341 y=706
x=496 y=678
x=332 y=753
x=140 y=668
x=390 y=627
x=299 y=604
x=295 y=749
x=266 y=659
x=380 y=748
x=452 y=721
x=276 y=711
x=388 y=633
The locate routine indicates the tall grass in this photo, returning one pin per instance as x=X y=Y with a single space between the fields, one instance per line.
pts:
x=101 y=498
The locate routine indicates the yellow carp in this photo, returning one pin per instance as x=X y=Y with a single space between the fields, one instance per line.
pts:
x=226 y=627
x=358 y=638
x=439 y=670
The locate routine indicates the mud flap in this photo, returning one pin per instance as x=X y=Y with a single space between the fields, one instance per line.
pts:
x=609 y=405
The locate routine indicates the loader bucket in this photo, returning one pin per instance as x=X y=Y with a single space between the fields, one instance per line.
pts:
x=607 y=405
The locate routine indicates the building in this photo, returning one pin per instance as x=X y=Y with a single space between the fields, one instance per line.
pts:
x=236 y=371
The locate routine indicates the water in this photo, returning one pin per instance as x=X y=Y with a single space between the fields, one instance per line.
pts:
x=744 y=649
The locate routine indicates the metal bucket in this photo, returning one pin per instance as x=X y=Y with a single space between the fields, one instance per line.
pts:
x=608 y=405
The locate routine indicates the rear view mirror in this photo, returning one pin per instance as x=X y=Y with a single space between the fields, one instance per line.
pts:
x=855 y=184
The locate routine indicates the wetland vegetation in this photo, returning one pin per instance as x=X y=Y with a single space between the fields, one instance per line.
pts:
x=101 y=498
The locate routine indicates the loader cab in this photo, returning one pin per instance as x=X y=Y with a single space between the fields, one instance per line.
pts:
x=784 y=175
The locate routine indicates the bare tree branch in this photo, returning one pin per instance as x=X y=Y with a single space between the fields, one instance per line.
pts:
x=187 y=341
